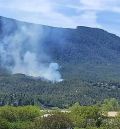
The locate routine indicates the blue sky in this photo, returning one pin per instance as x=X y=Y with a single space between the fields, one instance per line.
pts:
x=103 y=14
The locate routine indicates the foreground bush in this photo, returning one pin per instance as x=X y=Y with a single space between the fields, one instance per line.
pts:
x=13 y=114
x=77 y=117
x=84 y=116
x=18 y=117
x=54 y=121
x=4 y=124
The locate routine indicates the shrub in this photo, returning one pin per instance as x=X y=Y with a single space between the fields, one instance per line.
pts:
x=13 y=114
x=54 y=121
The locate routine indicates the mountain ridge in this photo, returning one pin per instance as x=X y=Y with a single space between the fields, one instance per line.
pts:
x=38 y=24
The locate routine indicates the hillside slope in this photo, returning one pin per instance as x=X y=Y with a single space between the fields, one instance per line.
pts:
x=89 y=60
x=94 y=52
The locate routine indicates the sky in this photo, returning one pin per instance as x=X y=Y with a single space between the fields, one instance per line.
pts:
x=103 y=14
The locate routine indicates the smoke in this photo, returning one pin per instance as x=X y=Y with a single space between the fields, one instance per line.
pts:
x=22 y=52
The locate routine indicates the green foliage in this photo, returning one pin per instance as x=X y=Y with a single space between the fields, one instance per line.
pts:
x=54 y=121
x=110 y=105
x=77 y=117
x=12 y=114
x=4 y=124
x=111 y=123
x=20 y=125
x=84 y=116
x=18 y=117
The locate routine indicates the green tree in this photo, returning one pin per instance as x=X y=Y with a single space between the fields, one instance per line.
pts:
x=110 y=105
x=84 y=116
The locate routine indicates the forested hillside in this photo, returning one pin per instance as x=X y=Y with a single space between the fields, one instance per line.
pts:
x=88 y=59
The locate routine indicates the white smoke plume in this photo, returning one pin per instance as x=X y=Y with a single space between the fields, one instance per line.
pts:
x=19 y=53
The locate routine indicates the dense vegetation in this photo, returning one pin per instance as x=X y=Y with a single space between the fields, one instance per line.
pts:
x=22 y=90
x=76 y=117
